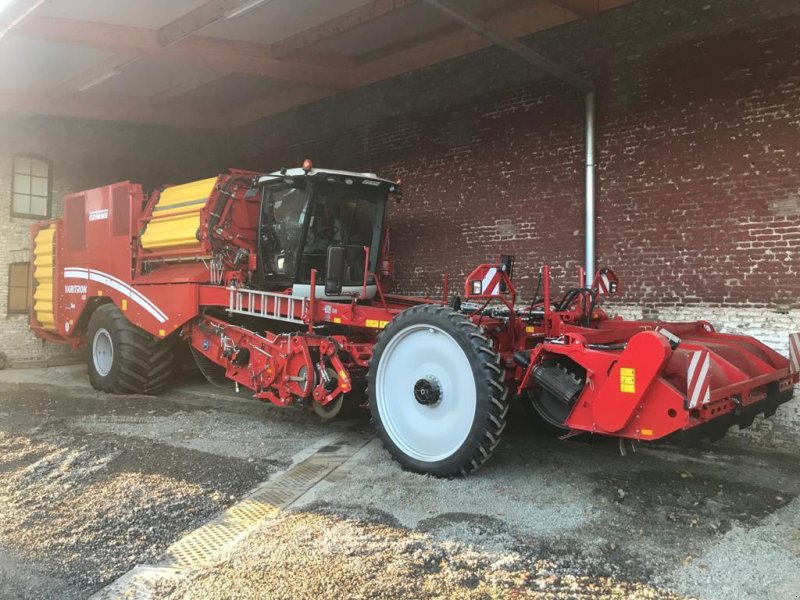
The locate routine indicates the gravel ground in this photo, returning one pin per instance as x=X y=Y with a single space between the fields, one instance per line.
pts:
x=327 y=553
x=545 y=519
x=91 y=485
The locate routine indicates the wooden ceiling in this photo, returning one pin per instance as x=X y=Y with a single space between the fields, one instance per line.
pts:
x=212 y=67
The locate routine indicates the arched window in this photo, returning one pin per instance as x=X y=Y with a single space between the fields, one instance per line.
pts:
x=31 y=186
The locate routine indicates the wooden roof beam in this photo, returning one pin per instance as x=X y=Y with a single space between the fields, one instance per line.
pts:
x=201 y=17
x=209 y=53
x=522 y=19
x=112 y=108
x=582 y=8
x=500 y=39
x=337 y=25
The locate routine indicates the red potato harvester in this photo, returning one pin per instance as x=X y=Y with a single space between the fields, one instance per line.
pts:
x=274 y=281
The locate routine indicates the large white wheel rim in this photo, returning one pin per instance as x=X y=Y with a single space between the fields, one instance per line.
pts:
x=415 y=356
x=102 y=352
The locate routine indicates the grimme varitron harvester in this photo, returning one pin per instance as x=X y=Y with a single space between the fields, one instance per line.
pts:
x=275 y=283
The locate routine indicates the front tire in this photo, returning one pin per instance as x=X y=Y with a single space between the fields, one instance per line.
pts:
x=436 y=392
x=124 y=359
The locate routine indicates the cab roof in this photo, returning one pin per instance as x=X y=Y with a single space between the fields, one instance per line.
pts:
x=332 y=176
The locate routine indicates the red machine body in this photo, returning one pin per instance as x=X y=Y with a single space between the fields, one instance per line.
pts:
x=584 y=371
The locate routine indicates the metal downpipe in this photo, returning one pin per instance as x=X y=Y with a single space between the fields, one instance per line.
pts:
x=589 y=254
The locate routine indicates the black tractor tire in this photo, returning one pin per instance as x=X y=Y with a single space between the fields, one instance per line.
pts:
x=139 y=363
x=491 y=401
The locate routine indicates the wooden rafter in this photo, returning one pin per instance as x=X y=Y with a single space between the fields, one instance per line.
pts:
x=92 y=76
x=587 y=8
x=337 y=25
x=583 y=8
x=172 y=33
x=194 y=114
x=210 y=53
x=522 y=19
x=315 y=74
x=198 y=19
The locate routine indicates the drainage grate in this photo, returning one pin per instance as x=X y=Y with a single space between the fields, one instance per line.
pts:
x=209 y=543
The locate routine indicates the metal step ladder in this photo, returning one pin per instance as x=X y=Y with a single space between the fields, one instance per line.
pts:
x=267 y=305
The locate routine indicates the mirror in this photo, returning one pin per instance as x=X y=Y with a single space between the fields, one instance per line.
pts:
x=507 y=267
x=334 y=270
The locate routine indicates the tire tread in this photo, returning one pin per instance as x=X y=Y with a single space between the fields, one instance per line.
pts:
x=146 y=363
x=479 y=448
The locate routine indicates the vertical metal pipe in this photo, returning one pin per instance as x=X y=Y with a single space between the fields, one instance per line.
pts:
x=590 y=187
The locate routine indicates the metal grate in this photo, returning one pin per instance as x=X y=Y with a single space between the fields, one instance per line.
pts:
x=210 y=543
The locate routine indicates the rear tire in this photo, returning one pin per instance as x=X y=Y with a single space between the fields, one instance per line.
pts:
x=436 y=392
x=124 y=359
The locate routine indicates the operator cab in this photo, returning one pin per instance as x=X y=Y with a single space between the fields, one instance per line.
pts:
x=315 y=218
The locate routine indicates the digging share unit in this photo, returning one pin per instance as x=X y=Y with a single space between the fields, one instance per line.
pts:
x=274 y=281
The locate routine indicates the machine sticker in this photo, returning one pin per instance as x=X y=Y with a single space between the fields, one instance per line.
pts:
x=75 y=289
x=374 y=324
x=98 y=215
x=627 y=381
x=117 y=285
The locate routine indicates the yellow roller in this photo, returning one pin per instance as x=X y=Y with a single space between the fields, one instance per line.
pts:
x=43 y=251
x=179 y=230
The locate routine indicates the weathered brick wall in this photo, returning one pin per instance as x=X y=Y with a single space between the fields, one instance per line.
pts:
x=84 y=154
x=699 y=182
x=698 y=161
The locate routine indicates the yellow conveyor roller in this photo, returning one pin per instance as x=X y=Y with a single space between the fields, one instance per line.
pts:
x=43 y=251
x=176 y=216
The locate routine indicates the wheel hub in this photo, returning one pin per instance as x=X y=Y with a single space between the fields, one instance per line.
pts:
x=428 y=391
x=102 y=352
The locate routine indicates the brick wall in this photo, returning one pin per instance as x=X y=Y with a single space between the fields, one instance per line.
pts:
x=698 y=154
x=699 y=178
x=84 y=154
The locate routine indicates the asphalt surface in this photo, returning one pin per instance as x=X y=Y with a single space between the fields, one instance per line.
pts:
x=92 y=485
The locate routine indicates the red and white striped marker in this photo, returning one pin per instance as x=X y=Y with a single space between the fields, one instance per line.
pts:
x=698 y=379
x=794 y=352
x=491 y=283
x=604 y=284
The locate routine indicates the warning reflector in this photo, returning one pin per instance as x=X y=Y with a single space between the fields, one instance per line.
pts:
x=698 y=379
x=794 y=353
